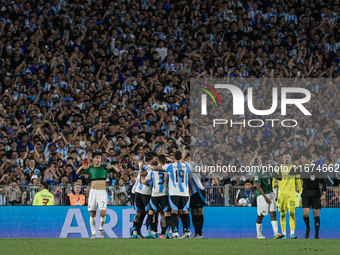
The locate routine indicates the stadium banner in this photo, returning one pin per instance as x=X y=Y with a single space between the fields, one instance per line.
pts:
x=73 y=222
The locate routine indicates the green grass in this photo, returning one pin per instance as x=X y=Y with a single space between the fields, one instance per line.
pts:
x=160 y=247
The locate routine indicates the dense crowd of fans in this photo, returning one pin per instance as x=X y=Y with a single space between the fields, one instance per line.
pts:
x=114 y=76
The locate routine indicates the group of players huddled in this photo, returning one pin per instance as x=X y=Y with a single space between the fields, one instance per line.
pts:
x=170 y=187
x=163 y=186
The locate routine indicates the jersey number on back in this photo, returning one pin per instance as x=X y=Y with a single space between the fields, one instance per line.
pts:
x=45 y=201
x=161 y=178
x=179 y=173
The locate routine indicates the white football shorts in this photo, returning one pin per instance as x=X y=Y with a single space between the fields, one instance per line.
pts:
x=263 y=208
x=97 y=198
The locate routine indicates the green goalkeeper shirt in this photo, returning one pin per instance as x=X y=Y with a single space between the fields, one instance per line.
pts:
x=97 y=173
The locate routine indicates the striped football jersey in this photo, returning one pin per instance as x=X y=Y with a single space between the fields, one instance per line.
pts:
x=178 y=178
x=195 y=184
x=160 y=183
x=140 y=187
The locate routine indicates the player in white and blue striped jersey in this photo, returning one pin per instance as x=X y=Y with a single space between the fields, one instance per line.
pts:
x=197 y=198
x=178 y=193
x=142 y=196
x=159 y=202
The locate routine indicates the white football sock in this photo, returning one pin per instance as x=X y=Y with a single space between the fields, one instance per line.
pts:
x=275 y=226
x=292 y=232
x=93 y=225
x=284 y=232
x=259 y=229
x=102 y=222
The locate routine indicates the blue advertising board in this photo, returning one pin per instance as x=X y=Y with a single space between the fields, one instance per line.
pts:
x=73 y=222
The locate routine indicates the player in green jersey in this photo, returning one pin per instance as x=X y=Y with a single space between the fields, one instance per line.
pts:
x=98 y=194
x=265 y=200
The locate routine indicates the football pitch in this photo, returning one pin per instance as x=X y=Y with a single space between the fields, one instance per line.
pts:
x=161 y=246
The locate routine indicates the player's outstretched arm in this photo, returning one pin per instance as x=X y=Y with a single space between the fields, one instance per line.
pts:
x=156 y=168
x=80 y=169
x=114 y=168
x=146 y=180
x=169 y=159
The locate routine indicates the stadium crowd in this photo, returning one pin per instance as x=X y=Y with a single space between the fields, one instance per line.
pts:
x=113 y=76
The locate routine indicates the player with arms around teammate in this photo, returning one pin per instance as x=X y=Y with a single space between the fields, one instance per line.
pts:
x=159 y=197
x=98 y=194
x=265 y=201
x=178 y=193
x=311 y=196
x=197 y=199
x=142 y=195
x=287 y=195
